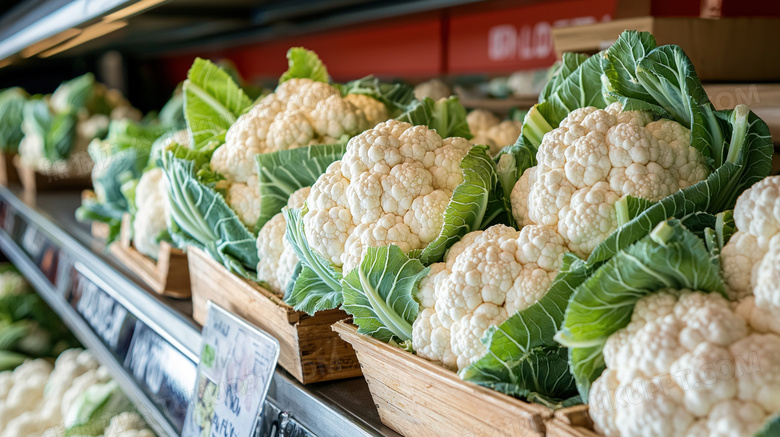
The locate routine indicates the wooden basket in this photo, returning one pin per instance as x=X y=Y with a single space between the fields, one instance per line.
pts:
x=416 y=397
x=8 y=172
x=32 y=181
x=310 y=350
x=571 y=422
x=168 y=276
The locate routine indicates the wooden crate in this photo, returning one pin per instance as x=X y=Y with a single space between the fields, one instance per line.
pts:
x=32 y=182
x=571 y=422
x=721 y=50
x=416 y=397
x=168 y=276
x=8 y=172
x=310 y=350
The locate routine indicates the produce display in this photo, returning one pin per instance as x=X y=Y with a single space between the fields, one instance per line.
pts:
x=28 y=327
x=619 y=247
x=12 y=102
x=74 y=397
x=58 y=127
x=228 y=191
x=492 y=131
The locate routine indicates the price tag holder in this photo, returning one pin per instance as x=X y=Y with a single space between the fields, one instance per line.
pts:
x=7 y=218
x=237 y=363
x=162 y=371
x=33 y=242
x=107 y=318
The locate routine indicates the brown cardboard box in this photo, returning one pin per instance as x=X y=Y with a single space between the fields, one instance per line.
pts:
x=727 y=49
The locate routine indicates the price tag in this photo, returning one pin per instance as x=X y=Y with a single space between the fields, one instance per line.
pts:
x=237 y=363
x=108 y=319
x=33 y=242
x=165 y=374
x=7 y=218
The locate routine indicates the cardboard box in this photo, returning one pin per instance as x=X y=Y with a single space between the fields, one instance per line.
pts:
x=728 y=49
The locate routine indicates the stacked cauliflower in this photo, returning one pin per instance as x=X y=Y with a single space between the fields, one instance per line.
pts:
x=153 y=204
x=88 y=127
x=35 y=397
x=277 y=259
x=594 y=158
x=391 y=187
x=486 y=277
x=686 y=365
x=751 y=259
x=301 y=112
x=490 y=130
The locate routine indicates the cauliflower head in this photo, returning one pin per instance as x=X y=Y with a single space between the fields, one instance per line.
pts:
x=751 y=259
x=127 y=424
x=687 y=364
x=391 y=187
x=485 y=278
x=151 y=199
x=490 y=130
x=434 y=88
x=301 y=112
x=595 y=157
x=277 y=257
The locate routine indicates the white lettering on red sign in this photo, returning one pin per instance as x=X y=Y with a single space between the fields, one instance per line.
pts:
x=506 y=42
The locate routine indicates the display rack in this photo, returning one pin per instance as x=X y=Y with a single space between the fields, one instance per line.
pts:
x=59 y=256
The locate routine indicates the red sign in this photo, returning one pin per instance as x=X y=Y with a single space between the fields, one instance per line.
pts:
x=515 y=38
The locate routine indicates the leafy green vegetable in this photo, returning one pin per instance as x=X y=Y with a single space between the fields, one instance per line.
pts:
x=750 y=161
x=75 y=94
x=212 y=102
x=447 y=116
x=669 y=257
x=471 y=207
x=523 y=358
x=379 y=293
x=12 y=102
x=304 y=64
x=771 y=427
x=284 y=172
x=88 y=413
x=318 y=284
x=119 y=160
x=396 y=96
x=203 y=219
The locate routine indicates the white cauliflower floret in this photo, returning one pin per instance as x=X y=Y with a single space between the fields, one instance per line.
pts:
x=686 y=364
x=391 y=187
x=301 y=112
x=127 y=424
x=751 y=259
x=374 y=110
x=151 y=219
x=277 y=257
x=595 y=157
x=488 y=129
x=434 y=88
x=485 y=278
x=244 y=198
x=26 y=394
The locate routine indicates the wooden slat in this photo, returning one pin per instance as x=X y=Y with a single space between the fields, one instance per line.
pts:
x=168 y=276
x=722 y=50
x=310 y=350
x=7 y=169
x=33 y=181
x=416 y=397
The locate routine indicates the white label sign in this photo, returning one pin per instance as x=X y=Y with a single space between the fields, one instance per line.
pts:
x=237 y=363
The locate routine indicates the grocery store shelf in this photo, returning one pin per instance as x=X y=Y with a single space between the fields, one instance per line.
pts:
x=341 y=408
x=88 y=338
